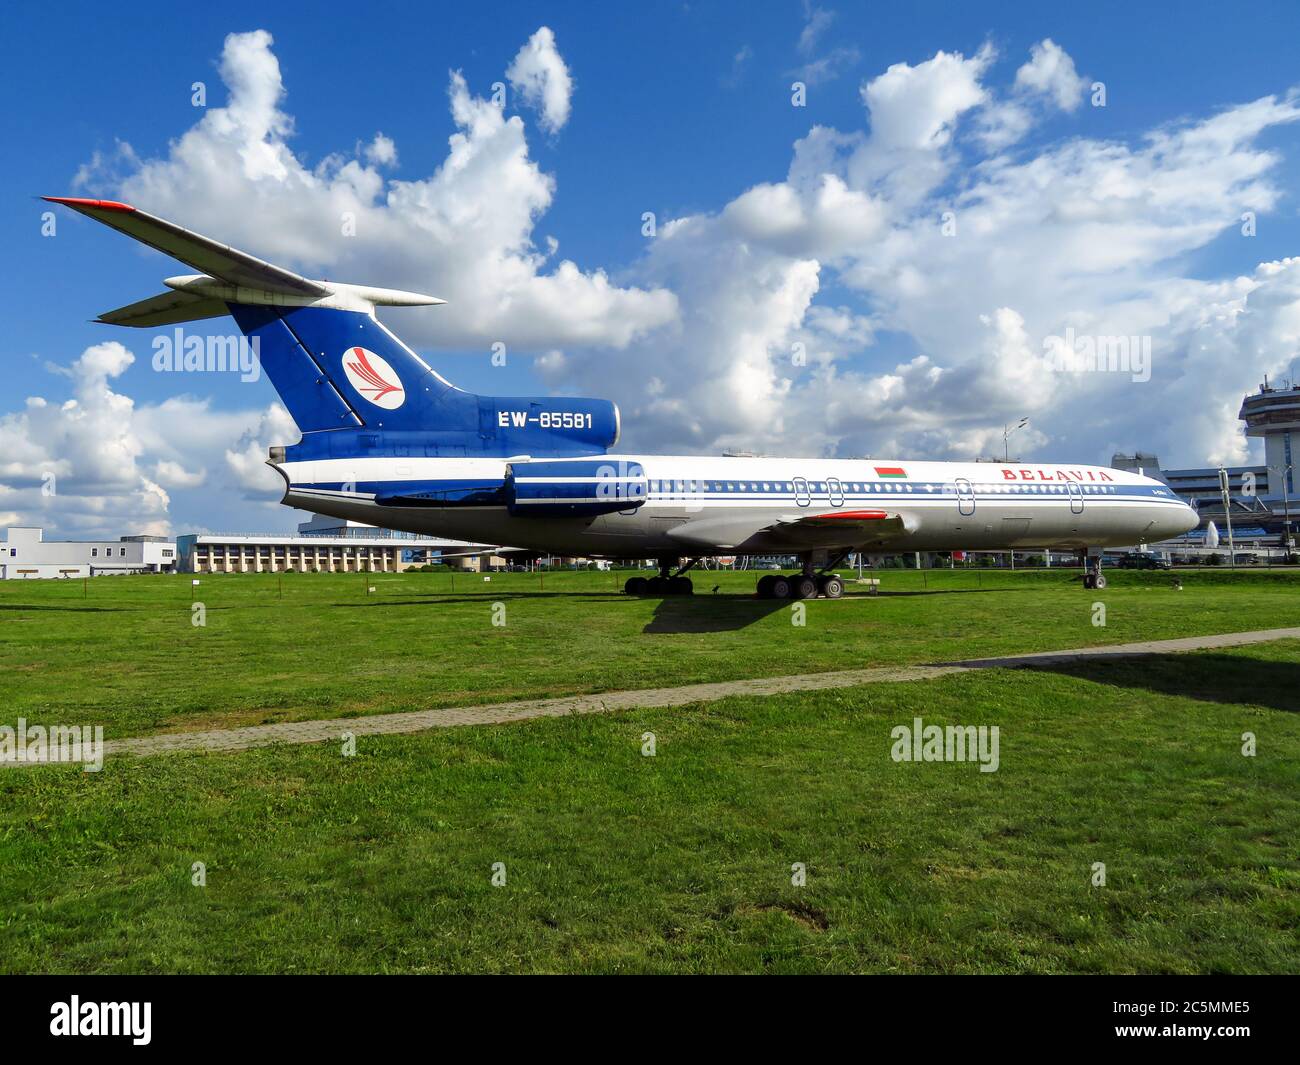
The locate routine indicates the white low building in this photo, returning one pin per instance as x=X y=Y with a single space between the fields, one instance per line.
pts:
x=26 y=554
x=323 y=545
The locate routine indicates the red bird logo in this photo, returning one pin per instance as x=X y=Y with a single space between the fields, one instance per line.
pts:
x=374 y=378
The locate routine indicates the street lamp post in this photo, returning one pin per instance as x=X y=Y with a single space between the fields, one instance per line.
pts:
x=1286 y=512
x=1226 y=488
x=1007 y=430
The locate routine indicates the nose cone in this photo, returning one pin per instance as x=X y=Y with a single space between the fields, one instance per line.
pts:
x=1173 y=520
x=1179 y=520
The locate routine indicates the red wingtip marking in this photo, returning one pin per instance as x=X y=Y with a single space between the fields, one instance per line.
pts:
x=103 y=205
x=856 y=515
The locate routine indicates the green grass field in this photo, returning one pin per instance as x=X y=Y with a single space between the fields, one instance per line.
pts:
x=680 y=862
x=123 y=652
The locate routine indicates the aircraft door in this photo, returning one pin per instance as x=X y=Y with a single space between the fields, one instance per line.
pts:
x=835 y=492
x=965 y=497
x=1076 y=497
x=801 y=494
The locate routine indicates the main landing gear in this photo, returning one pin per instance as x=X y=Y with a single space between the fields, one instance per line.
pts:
x=666 y=583
x=1093 y=578
x=811 y=583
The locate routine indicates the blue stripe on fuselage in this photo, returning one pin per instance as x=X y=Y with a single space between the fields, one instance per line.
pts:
x=908 y=494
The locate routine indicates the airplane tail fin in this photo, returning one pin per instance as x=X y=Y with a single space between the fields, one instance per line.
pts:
x=330 y=360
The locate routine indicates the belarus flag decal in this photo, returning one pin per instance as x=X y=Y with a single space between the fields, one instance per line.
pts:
x=890 y=471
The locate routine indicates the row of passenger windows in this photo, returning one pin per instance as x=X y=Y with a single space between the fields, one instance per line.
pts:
x=981 y=489
x=822 y=486
x=744 y=486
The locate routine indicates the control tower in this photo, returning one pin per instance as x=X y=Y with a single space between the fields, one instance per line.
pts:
x=1274 y=414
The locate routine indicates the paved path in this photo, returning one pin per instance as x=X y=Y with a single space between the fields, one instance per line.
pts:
x=238 y=739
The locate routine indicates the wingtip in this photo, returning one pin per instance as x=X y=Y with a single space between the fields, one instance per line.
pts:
x=78 y=201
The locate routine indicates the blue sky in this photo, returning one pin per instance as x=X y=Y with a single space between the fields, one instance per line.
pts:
x=677 y=109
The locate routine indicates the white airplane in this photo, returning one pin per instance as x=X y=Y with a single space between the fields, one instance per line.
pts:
x=387 y=441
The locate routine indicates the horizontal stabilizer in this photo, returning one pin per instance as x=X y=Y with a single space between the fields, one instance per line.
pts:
x=218 y=260
x=167 y=308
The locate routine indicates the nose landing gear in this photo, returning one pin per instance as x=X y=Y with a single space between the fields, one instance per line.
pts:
x=1093 y=578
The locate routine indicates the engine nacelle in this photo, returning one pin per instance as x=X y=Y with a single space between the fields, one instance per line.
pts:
x=574 y=487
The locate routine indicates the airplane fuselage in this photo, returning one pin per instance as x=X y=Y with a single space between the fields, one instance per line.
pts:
x=691 y=505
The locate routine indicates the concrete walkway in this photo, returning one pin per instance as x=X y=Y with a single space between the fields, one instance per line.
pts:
x=239 y=739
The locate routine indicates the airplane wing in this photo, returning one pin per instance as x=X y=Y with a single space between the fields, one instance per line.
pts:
x=843 y=519
x=841 y=528
x=833 y=528
x=215 y=259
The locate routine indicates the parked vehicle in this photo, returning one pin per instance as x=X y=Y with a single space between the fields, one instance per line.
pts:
x=1142 y=560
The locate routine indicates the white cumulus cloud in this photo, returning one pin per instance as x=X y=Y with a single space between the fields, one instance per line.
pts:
x=540 y=76
x=1050 y=71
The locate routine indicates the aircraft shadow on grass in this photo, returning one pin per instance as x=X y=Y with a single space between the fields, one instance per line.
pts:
x=703 y=612
x=711 y=613
x=1212 y=678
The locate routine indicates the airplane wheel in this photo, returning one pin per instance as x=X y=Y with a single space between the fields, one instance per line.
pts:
x=634 y=586
x=1099 y=582
x=803 y=588
x=680 y=586
x=656 y=586
x=1089 y=580
x=765 y=586
x=779 y=588
x=831 y=587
